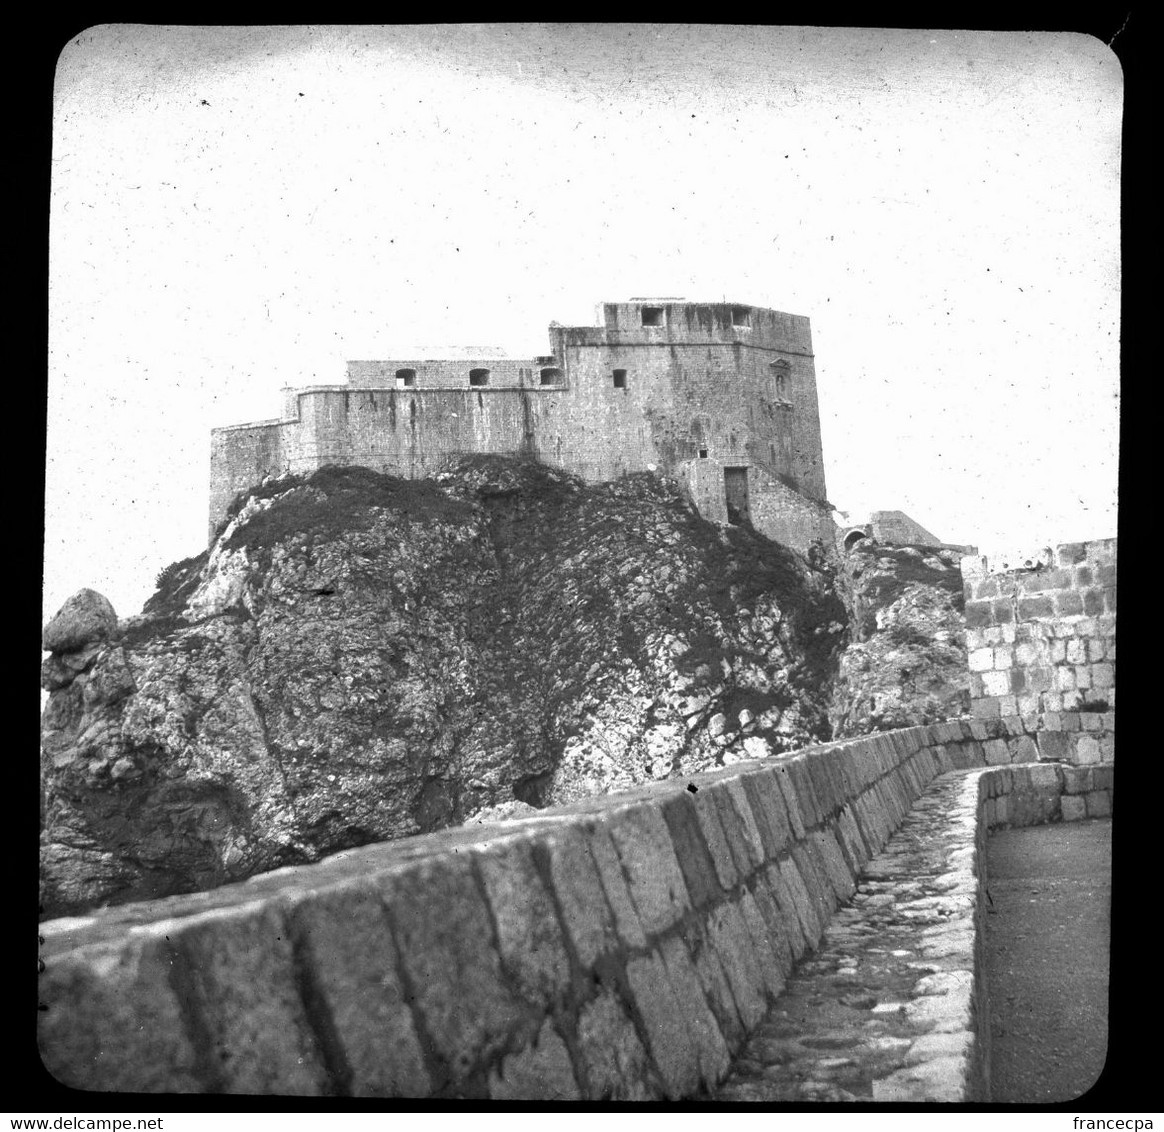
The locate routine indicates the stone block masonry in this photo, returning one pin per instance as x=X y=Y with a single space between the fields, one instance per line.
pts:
x=620 y=948
x=1041 y=647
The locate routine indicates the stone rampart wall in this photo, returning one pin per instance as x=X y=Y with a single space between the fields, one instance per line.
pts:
x=777 y=512
x=897 y=529
x=622 y=947
x=786 y=516
x=1041 y=645
x=451 y=373
x=241 y=458
x=594 y=430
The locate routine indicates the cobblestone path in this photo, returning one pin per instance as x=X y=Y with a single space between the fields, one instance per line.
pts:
x=873 y=1015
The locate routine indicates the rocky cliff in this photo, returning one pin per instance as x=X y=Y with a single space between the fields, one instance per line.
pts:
x=359 y=657
x=906 y=662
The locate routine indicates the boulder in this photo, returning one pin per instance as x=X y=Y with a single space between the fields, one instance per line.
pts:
x=86 y=617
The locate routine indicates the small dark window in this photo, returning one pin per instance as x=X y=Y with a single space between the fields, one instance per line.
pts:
x=620 y=379
x=652 y=316
x=405 y=377
x=478 y=377
x=703 y=453
x=740 y=316
x=551 y=376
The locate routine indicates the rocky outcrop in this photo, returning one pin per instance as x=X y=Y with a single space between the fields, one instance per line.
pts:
x=906 y=664
x=359 y=657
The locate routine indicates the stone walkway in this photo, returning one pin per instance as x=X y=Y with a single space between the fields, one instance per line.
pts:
x=1047 y=953
x=882 y=1010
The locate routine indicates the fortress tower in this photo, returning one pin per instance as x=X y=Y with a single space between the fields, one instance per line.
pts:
x=721 y=396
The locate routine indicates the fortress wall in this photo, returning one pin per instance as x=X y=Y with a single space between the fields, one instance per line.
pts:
x=687 y=398
x=586 y=424
x=611 y=429
x=807 y=453
x=785 y=516
x=1041 y=644
x=777 y=512
x=704 y=482
x=718 y=397
x=507 y=373
x=596 y=431
x=696 y=383
x=698 y=323
x=240 y=458
x=622 y=947
x=897 y=529
x=411 y=433
x=598 y=434
x=735 y=394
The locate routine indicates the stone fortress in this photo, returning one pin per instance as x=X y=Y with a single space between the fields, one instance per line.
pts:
x=722 y=396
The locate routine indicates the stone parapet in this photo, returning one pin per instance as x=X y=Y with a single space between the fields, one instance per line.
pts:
x=621 y=947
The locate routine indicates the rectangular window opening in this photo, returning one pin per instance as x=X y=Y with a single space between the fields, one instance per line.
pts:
x=478 y=377
x=741 y=316
x=619 y=379
x=551 y=376
x=703 y=453
x=405 y=378
x=652 y=316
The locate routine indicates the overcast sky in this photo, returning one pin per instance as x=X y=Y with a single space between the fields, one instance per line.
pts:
x=235 y=210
